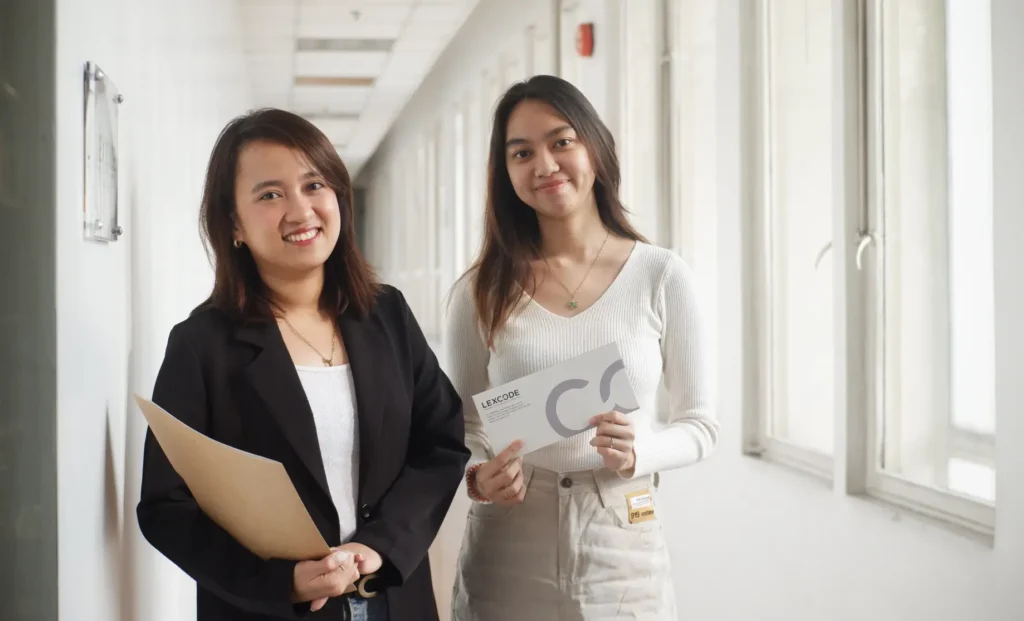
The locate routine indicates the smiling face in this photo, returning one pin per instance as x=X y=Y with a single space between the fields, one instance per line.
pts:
x=285 y=212
x=548 y=165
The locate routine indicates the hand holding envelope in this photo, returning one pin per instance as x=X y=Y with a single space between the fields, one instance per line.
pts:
x=614 y=440
x=562 y=401
x=500 y=480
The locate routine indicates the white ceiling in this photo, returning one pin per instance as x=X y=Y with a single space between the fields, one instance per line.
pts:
x=347 y=65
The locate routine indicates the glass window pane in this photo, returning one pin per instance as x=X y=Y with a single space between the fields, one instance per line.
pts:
x=972 y=479
x=799 y=222
x=972 y=350
x=937 y=316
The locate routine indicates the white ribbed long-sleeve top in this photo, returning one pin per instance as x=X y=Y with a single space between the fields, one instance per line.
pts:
x=651 y=311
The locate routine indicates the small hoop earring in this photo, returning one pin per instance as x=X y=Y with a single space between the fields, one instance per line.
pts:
x=238 y=243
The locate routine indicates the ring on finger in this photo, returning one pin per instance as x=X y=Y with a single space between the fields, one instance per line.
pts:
x=611 y=443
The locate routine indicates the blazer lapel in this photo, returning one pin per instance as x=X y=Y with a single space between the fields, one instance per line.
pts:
x=369 y=357
x=273 y=376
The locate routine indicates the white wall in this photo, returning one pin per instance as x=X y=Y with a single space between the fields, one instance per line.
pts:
x=1008 y=228
x=749 y=539
x=180 y=68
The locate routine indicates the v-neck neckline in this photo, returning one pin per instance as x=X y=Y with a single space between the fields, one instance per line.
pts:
x=600 y=299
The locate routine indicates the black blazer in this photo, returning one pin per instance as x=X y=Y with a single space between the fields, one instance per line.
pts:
x=238 y=385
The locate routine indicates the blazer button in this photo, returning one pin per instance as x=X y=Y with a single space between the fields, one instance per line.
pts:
x=365 y=511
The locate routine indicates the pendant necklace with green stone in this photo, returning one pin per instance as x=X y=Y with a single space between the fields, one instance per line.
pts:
x=572 y=304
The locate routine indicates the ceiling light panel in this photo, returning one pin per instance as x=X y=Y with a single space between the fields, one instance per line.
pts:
x=366 y=30
x=327 y=115
x=333 y=98
x=354 y=64
x=326 y=80
x=309 y=44
x=269 y=45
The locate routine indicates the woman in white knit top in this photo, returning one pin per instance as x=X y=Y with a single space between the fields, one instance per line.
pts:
x=550 y=534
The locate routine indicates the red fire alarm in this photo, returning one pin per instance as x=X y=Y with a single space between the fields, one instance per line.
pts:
x=585 y=39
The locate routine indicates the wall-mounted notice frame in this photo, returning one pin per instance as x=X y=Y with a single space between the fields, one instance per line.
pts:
x=100 y=191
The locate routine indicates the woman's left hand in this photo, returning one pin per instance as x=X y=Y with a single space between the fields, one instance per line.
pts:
x=614 y=440
x=368 y=560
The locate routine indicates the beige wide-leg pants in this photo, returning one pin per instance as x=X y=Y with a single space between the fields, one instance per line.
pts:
x=567 y=553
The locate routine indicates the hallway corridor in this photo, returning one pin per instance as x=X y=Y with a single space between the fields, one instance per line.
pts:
x=843 y=178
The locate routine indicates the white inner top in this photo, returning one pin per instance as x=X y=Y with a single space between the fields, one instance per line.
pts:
x=332 y=398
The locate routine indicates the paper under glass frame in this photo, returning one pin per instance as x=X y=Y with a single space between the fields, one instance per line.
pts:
x=100 y=194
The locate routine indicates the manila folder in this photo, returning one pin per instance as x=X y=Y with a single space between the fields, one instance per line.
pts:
x=250 y=497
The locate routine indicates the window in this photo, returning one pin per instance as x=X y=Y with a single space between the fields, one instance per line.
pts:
x=541 y=49
x=933 y=330
x=480 y=134
x=794 y=227
x=460 y=193
x=512 y=64
x=914 y=287
x=568 y=59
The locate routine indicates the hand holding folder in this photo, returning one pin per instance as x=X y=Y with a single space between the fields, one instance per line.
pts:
x=250 y=497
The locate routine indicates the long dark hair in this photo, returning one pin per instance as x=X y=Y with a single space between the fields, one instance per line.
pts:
x=238 y=290
x=511 y=231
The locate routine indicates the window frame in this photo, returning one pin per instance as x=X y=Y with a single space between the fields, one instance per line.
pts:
x=758 y=439
x=854 y=468
x=945 y=505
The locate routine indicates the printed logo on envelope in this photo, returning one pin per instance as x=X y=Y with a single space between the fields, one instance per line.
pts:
x=605 y=389
x=558 y=402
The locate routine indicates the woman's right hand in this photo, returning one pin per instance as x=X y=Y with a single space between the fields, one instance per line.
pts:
x=317 y=581
x=500 y=480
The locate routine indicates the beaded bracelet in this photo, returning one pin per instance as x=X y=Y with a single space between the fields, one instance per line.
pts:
x=471 y=484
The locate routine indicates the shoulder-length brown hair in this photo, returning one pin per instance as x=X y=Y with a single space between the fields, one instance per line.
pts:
x=511 y=231
x=238 y=290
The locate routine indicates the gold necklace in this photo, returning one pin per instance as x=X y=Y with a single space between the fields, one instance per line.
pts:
x=572 y=304
x=328 y=362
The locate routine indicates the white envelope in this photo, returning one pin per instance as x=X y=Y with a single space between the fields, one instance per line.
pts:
x=557 y=402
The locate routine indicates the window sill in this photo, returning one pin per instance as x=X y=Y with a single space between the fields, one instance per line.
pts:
x=805 y=461
x=949 y=511
x=972 y=518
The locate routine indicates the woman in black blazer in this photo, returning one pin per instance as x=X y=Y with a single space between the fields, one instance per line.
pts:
x=299 y=356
